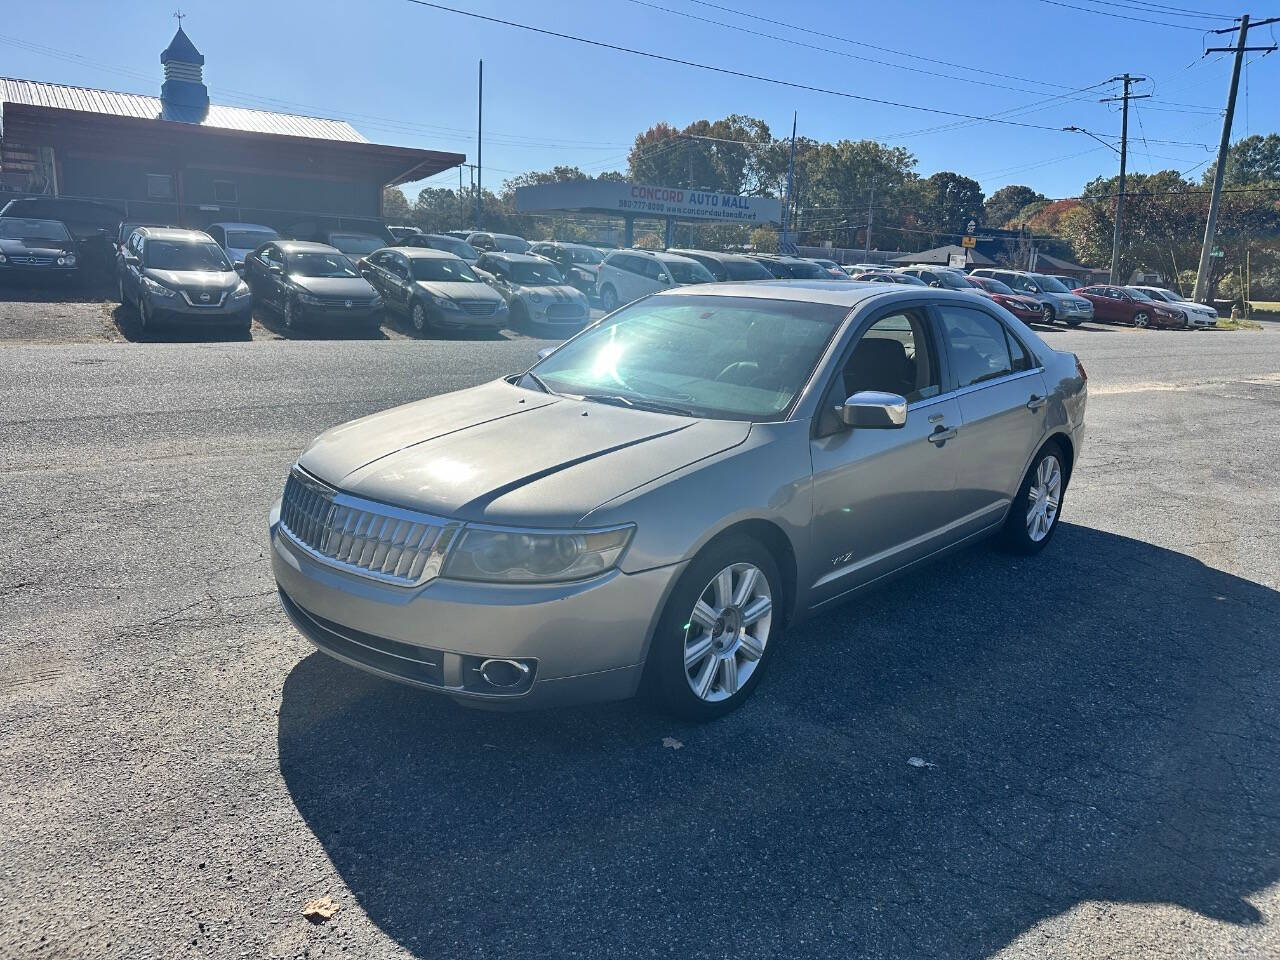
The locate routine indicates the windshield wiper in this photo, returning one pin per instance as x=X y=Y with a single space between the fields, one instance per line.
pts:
x=655 y=406
x=538 y=380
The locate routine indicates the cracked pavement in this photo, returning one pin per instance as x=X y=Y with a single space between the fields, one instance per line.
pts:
x=180 y=772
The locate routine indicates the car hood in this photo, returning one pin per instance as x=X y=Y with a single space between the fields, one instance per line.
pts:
x=558 y=294
x=334 y=286
x=501 y=454
x=195 y=279
x=460 y=291
x=37 y=248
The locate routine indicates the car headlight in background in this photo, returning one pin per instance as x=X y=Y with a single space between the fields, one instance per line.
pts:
x=67 y=261
x=159 y=289
x=308 y=298
x=241 y=292
x=517 y=556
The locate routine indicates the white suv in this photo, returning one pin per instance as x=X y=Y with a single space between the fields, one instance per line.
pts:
x=627 y=275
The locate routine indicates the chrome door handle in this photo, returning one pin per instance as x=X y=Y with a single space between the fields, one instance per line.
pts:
x=941 y=435
x=1036 y=402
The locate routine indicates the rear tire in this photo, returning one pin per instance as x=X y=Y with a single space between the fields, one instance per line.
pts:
x=608 y=298
x=1035 y=511
x=715 y=638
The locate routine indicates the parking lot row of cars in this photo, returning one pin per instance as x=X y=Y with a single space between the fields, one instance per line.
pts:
x=481 y=279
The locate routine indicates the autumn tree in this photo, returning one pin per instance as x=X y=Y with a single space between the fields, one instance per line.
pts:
x=1005 y=204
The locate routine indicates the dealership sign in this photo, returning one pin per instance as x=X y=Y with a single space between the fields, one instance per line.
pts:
x=639 y=200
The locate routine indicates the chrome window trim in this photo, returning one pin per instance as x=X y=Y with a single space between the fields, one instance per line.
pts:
x=1007 y=378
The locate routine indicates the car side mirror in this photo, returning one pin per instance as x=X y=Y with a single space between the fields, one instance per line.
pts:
x=934 y=283
x=239 y=265
x=275 y=268
x=1032 y=288
x=873 y=410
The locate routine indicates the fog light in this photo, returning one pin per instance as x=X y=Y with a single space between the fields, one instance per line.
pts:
x=504 y=674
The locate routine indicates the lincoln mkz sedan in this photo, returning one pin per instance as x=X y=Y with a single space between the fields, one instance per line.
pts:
x=654 y=501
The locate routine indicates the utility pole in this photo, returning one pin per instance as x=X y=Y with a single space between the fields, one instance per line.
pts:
x=1124 y=98
x=1201 y=292
x=871 y=197
x=479 y=141
x=791 y=169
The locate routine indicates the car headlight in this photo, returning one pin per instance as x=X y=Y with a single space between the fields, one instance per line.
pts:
x=159 y=289
x=517 y=556
x=444 y=303
x=308 y=298
x=3 y=258
x=535 y=297
x=67 y=261
x=241 y=291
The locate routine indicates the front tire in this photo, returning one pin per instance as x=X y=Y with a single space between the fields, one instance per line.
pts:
x=418 y=317
x=1047 y=314
x=1034 y=513
x=718 y=630
x=292 y=320
x=1141 y=320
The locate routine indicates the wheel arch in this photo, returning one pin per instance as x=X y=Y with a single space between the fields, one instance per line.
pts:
x=774 y=539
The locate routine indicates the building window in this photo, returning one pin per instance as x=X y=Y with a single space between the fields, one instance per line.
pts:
x=224 y=191
x=159 y=186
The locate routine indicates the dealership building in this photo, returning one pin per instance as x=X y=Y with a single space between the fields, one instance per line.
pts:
x=635 y=201
x=178 y=158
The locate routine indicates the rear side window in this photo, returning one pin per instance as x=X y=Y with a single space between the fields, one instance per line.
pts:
x=976 y=344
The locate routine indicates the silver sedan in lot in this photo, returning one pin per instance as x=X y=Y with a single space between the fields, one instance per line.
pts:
x=651 y=503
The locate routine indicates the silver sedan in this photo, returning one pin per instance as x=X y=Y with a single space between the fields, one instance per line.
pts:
x=653 y=502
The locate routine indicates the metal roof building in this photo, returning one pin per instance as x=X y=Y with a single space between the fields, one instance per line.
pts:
x=178 y=158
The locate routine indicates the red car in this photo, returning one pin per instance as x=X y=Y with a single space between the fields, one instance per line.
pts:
x=1121 y=305
x=1026 y=309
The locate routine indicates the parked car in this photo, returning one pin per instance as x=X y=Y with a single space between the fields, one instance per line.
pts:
x=727 y=266
x=834 y=269
x=240 y=239
x=92 y=225
x=579 y=263
x=403 y=233
x=853 y=268
x=1113 y=304
x=128 y=226
x=1068 y=283
x=445 y=242
x=1025 y=308
x=1198 y=314
x=176 y=276
x=790 y=268
x=944 y=277
x=305 y=281
x=878 y=276
x=689 y=476
x=487 y=242
x=627 y=275
x=535 y=290
x=460 y=234
x=1056 y=301
x=31 y=248
x=354 y=244
x=433 y=289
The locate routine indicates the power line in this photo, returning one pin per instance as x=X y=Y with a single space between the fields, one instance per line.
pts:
x=1164 y=10
x=1120 y=16
x=726 y=71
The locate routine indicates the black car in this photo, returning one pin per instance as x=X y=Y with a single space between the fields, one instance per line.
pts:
x=93 y=226
x=791 y=268
x=400 y=232
x=445 y=242
x=578 y=262
x=175 y=276
x=728 y=266
x=31 y=247
x=303 y=280
x=434 y=288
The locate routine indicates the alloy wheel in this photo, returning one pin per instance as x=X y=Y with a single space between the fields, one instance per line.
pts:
x=1141 y=320
x=727 y=632
x=1046 y=312
x=1043 y=498
x=419 y=318
x=290 y=313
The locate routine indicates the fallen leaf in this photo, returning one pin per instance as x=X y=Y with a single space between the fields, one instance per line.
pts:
x=320 y=910
x=672 y=742
x=919 y=762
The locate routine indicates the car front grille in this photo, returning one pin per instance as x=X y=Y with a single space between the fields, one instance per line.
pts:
x=345 y=303
x=362 y=536
x=479 y=308
x=31 y=261
x=205 y=298
x=564 y=311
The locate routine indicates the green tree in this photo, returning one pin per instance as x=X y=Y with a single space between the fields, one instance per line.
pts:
x=395 y=208
x=730 y=155
x=946 y=203
x=837 y=182
x=764 y=240
x=1006 y=203
x=1251 y=160
x=557 y=174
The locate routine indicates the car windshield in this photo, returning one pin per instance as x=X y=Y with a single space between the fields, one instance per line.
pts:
x=316 y=264
x=997 y=286
x=954 y=281
x=1048 y=283
x=179 y=255
x=746 y=270
x=355 y=242
x=249 y=239
x=735 y=358
x=20 y=228
x=1140 y=294
x=689 y=272
x=459 y=248
x=442 y=270
x=586 y=255
x=804 y=270
x=511 y=244
x=536 y=274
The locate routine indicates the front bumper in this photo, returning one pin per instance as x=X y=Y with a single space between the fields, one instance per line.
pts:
x=177 y=310
x=558 y=314
x=585 y=641
x=337 y=312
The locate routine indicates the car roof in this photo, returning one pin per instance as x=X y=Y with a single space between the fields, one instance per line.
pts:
x=232 y=225
x=841 y=293
x=442 y=236
x=305 y=246
x=422 y=253
x=491 y=233
x=180 y=234
x=346 y=232
x=514 y=257
x=713 y=254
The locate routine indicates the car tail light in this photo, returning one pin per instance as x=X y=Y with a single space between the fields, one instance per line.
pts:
x=1080 y=370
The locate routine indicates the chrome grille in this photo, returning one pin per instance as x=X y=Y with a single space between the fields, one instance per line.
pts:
x=205 y=298
x=565 y=311
x=32 y=261
x=362 y=536
x=346 y=303
x=479 y=308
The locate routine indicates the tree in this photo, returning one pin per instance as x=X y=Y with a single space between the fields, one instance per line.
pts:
x=732 y=155
x=395 y=208
x=764 y=240
x=1250 y=161
x=836 y=182
x=1006 y=203
x=557 y=174
x=947 y=202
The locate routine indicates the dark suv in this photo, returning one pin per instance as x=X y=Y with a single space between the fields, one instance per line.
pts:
x=181 y=276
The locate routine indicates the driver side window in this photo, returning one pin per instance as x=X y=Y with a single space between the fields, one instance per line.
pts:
x=895 y=355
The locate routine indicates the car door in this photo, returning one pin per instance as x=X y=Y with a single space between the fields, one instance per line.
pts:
x=274 y=277
x=883 y=498
x=133 y=271
x=1003 y=398
x=1107 y=305
x=399 y=282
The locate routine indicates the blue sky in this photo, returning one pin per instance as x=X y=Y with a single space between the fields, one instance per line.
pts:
x=404 y=73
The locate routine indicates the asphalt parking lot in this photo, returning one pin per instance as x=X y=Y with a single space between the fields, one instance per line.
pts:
x=1098 y=725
